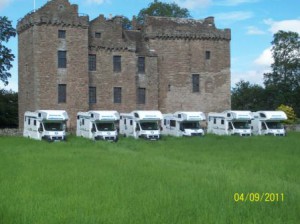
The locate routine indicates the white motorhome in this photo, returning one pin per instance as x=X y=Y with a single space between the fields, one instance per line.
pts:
x=183 y=123
x=268 y=123
x=230 y=123
x=49 y=125
x=141 y=124
x=98 y=125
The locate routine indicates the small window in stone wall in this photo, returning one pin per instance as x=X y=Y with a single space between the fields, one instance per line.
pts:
x=97 y=35
x=62 y=34
x=92 y=62
x=62 y=59
x=141 y=96
x=195 y=83
x=141 y=65
x=117 y=63
x=117 y=95
x=62 y=93
x=92 y=95
x=207 y=55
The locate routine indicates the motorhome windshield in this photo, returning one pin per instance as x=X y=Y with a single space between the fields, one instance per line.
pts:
x=241 y=125
x=274 y=125
x=190 y=125
x=54 y=126
x=107 y=126
x=149 y=125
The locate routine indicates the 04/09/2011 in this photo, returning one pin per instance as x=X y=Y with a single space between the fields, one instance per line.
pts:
x=258 y=197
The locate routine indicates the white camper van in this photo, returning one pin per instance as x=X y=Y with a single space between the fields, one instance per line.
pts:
x=230 y=123
x=141 y=124
x=45 y=124
x=98 y=125
x=268 y=123
x=183 y=123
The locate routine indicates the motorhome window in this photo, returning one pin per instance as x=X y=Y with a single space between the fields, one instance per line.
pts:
x=222 y=121
x=117 y=63
x=29 y=121
x=230 y=126
x=92 y=62
x=191 y=125
x=274 y=125
x=195 y=83
x=179 y=115
x=92 y=95
x=110 y=126
x=149 y=125
x=92 y=115
x=62 y=93
x=117 y=95
x=241 y=125
x=141 y=65
x=62 y=59
x=130 y=122
x=40 y=114
x=82 y=121
x=165 y=122
x=34 y=122
x=141 y=96
x=172 y=123
x=136 y=115
x=53 y=126
x=215 y=120
x=228 y=114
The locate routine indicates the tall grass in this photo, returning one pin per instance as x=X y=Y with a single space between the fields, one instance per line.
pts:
x=175 y=180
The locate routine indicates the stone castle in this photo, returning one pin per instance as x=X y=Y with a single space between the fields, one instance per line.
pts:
x=71 y=63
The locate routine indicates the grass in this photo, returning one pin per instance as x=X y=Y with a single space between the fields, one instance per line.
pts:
x=175 y=180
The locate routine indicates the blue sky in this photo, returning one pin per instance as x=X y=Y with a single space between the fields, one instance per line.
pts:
x=252 y=24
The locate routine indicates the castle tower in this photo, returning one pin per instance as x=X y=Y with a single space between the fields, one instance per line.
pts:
x=193 y=63
x=53 y=62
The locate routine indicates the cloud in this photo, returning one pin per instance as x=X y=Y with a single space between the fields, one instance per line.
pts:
x=233 y=2
x=234 y=16
x=193 y=4
x=265 y=59
x=4 y=3
x=252 y=30
x=252 y=76
x=99 y=2
x=286 y=25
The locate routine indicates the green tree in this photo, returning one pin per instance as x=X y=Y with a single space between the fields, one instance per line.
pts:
x=246 y=96
x=289 y=111
x=284 y=79
x=6 y=57
x=158 y=8
x=8 y=109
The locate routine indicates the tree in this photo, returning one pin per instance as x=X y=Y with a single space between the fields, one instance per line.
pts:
x=289 y=111
x=158 y=8
x=8 y=109
x=6 y=57
x=246 y=96
x=284 y=80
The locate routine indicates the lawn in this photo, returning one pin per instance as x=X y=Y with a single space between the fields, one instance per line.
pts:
x=175 y=180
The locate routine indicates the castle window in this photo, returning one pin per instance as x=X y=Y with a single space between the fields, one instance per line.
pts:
x=62 y=59
x=141 y=96
x=97 y=35
x=62 y=34
x=92 y=62
x=195 y=82
x=207 y=55
x=141 y=65
x=92 y=95
x=117 y=63
x=117 y=95
x=62 y=93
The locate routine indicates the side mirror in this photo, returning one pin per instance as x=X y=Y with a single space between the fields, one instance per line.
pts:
x=93 y=129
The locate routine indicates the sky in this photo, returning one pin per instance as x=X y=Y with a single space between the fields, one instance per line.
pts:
x=252 y=22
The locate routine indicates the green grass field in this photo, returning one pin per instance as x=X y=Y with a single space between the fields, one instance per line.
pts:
x=175 y=180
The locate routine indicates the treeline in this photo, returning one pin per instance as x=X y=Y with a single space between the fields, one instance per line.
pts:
x=8 y=109
x=281 y=85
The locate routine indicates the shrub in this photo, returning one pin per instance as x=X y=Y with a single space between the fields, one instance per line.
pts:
x=290 y=113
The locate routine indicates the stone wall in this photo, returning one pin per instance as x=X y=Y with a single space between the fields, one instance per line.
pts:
x=11 y=132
